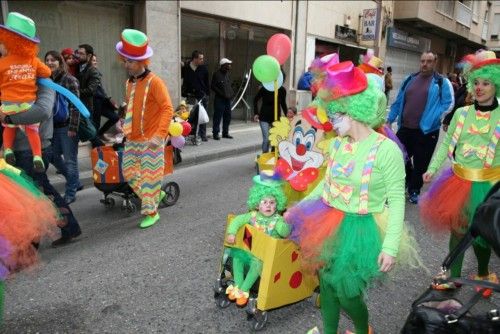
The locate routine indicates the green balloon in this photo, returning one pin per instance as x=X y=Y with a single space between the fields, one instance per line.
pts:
x=266 y=68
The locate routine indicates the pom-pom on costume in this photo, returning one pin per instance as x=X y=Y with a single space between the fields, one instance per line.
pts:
x=266 y=199
x=343 y=225
x=471 y=144
x=27 y=216
x=147 y=119
x=19 y=69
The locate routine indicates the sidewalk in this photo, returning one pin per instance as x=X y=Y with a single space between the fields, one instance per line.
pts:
x=247 y=138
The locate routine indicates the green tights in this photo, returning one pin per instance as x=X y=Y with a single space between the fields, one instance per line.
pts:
x=245 y=283
x=483 y=255
x=331 y=304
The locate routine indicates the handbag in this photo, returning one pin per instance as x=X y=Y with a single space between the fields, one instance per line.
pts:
x=86 y=130
x=202 y=114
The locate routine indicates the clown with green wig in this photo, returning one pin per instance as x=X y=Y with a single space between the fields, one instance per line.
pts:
x=265 y=201
x=471 y=144
x=351 y=227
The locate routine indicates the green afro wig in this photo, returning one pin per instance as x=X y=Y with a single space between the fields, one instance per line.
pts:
x=367 y=107
x=487 y=72
x=260 y=191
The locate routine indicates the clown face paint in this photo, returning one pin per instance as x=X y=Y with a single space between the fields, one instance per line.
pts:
x=267 y=206
x=341 y=123
x=484 y=91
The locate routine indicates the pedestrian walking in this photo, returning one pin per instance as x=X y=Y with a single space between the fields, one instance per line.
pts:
x=388 y=82
x=422 y=100
x=147 y=120
x=221 y=85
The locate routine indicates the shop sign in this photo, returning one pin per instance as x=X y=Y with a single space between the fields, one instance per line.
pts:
x=402 y=40
x=345 y=33
x=369 y=24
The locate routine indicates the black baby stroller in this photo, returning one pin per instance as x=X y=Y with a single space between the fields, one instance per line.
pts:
x=109 y=179
x=439 y=312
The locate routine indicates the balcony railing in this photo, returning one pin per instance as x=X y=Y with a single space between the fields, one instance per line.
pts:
x=464 y=14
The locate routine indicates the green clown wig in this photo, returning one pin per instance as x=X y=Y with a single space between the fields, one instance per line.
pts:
x=367 y=107
x=482 y=65
x=266 y=188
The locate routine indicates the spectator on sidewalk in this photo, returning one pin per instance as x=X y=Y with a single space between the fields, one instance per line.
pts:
x=388 y=82
x=221 y=85
x=196 y=85
x=265 y=114
x=424 y=97
x=41 y=112
x=65 y=137
x=70 y=60
x=147 y=120
x=104 y=106
x=89 y=78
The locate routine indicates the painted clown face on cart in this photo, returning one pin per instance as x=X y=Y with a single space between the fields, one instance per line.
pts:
x=300 y=157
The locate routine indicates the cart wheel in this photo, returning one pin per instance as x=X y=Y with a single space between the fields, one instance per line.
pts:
x=172 y=193
x=258 y=320
x=109 y=202
x=221 y=300
x=131 y=208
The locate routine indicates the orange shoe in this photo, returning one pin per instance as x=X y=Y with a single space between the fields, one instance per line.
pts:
x=242 y=298
x=370 y=331
x=492 y=277
x=230 y=292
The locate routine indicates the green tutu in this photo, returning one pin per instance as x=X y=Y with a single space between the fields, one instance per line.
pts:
x=350 y=255
x=23 y=181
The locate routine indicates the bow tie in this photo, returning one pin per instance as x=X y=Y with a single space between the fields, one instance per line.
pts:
x=474 y=130
x=483 y=115
x=479 y=151
x=338 y=169
x=301 y=180
x=345 y=192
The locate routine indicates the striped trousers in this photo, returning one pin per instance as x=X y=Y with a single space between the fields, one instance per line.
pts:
x=143 y=169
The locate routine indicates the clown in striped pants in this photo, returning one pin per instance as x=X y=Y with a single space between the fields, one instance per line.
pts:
x=143 y=168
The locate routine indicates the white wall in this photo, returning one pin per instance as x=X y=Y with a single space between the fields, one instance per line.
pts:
x=270 y=13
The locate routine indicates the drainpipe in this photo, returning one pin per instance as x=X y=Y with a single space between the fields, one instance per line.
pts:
x=377 y=25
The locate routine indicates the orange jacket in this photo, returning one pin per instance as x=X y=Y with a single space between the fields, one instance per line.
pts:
x=158 y=111
x=18 y=77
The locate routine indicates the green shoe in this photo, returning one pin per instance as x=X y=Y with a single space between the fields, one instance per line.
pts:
x=149 y=221
x=38 y=165
x=9 y=156
x=162 y=195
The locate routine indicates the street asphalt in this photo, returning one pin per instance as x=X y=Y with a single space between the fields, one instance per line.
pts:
x=116 y=278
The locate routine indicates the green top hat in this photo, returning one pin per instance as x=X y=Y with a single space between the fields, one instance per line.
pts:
x=22 y=26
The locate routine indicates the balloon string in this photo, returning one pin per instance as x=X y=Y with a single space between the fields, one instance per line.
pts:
x=276 y=116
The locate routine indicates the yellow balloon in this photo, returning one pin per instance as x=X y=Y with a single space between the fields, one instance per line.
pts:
x=185 y=115
x=321 y=114
x=175 y=129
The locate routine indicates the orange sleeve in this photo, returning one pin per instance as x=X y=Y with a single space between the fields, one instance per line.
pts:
x=162 y=97
x=42 y=70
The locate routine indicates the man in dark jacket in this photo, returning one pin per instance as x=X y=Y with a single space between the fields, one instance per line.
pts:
x=89 y=79
x=195 y=84
x=221 y=85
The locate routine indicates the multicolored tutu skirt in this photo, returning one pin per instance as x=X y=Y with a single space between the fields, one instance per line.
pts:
x=344 y=247
x=27 y=216
x=451 y=202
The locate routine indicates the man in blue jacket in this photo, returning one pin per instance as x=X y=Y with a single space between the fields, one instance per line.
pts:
x=423 y=99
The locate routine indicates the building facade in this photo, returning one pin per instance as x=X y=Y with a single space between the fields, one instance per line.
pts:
x=398 y=31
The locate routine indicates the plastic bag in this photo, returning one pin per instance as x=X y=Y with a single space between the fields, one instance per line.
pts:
x=202 y=114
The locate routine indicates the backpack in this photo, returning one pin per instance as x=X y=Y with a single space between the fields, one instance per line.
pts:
x=60 y=109
x=437 y=77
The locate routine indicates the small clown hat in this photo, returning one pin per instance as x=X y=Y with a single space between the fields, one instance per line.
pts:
x=134 y=45
x=370 y=63
x=21 y=25
x=484 y=58
x=267 y=179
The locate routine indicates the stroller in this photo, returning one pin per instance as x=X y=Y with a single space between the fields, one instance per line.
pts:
x=194 y=118
x=108 y=177
x=439 y=312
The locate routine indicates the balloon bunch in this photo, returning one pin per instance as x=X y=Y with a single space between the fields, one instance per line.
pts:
x=178 y=131
x=266 y=68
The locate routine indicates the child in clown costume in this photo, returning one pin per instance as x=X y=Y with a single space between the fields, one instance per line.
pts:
x=344 y=230
x=19 y=69
x=266 y=199
x=27 y=216
x=471 y=145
